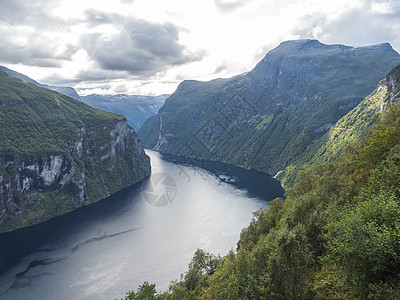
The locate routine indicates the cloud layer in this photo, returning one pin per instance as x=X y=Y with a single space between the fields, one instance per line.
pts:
x=370 y=23
x=139 y=47
x=146 y=45
x=116 y=45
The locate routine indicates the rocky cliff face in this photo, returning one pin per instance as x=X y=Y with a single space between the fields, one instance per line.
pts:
x=393 y=84
x=87 y=157
x=266 y=118
x=36 y=188
x=354 y=126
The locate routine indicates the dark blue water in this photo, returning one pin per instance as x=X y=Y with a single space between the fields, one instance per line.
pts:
x=148 y=232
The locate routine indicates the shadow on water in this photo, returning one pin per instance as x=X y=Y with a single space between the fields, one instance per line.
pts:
x=103 y=237
x=35 y=263
x=257 y=184
x=19 y=243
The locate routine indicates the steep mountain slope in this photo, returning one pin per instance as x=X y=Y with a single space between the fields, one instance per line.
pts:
x=350 y=128
x=337 y=233
x=57 y=154
x=135 y=108
x=267 y=118
x=68 y=91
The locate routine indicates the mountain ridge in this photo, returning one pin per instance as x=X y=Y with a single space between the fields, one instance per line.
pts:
x=137 y=108
x=68 y=91
x=58 y=154
x=265 y=118
x=335 y=235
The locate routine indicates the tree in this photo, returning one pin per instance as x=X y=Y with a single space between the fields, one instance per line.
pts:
x=145 y=292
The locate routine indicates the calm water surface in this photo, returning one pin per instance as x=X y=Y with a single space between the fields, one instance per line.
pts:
x=148 y=232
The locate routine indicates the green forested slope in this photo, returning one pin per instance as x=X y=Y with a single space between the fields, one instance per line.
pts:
x=37 y=121
x=267 y=118
x=57 y=154
x=336 y=235
x=348 y=129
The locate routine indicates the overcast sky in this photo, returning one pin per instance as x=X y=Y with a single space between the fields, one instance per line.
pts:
x=150 y=46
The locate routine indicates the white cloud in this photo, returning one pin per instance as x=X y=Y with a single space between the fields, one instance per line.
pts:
x=229 y=5
x=143 y=44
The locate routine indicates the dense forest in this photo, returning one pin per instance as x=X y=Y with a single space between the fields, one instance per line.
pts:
x=336 y=235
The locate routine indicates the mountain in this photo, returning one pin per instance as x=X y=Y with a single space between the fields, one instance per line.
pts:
x=135 y=108
x=58 y=154
x=15 y=74
x=68 y=91
x=350 y=128
x=336 y=235
x=266 y=118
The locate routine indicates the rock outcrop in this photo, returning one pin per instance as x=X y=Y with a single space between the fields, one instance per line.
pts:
x=86 y=156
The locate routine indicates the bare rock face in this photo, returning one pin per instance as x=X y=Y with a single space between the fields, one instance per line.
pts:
x=393 y=84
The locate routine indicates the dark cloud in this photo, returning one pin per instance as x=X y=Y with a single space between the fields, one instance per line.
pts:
x=229 y=5
x=357 y=28
x=105 y=87
x=92 y=75
x=220 y=68
x=141 y=48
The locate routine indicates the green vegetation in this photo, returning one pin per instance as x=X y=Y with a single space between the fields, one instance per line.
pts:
x=57 y=154
x=350 y=128
x=36 y=121
x=270 y=117
x=336 y=236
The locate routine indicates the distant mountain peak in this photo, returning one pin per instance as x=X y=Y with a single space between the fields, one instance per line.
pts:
x=312 y=46
x=383 y=46
x=301 y=42
x=265 y=119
